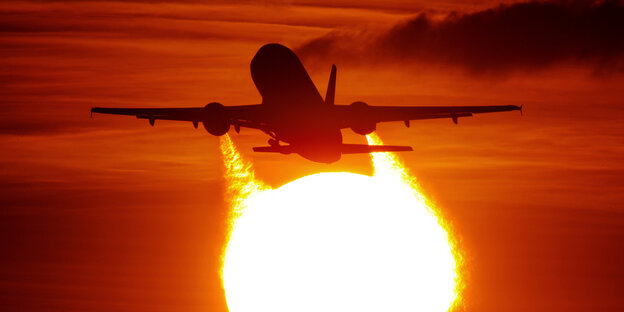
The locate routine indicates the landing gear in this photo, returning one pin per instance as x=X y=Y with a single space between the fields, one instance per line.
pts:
x=274 y=142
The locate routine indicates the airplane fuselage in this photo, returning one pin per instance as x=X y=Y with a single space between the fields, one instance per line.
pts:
x=298 y=114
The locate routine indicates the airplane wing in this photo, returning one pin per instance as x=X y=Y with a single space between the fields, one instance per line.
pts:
x=365 y=113
x=250 y=116
x=183 y=114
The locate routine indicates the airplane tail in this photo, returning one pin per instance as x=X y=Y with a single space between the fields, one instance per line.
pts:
x=344 y=149
x=331 y=87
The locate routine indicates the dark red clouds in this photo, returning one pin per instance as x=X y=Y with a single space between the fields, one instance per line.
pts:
x=508 y=37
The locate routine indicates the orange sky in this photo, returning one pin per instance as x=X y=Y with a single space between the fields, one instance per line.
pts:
x=110 y=214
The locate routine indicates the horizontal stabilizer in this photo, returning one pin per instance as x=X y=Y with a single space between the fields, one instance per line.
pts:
x=363 y=148
x=282 y=149
x=344 y=149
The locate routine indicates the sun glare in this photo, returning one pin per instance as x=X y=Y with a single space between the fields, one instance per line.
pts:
x=336 y=242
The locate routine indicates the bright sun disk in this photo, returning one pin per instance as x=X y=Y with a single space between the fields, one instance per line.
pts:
x=336 y=242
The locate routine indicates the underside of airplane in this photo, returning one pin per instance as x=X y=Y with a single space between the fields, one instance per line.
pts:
x=294 y=113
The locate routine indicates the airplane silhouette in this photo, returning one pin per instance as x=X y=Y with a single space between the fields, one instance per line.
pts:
x=292 y=111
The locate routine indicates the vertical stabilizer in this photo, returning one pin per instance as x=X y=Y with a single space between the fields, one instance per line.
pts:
x=331 y=87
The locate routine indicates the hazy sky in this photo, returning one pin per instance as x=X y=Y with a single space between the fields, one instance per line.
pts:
x=111 y=214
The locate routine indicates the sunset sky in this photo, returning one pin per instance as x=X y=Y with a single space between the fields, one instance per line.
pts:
x=108 y=213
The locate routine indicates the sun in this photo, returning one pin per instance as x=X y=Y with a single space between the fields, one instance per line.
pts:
x=336 y=242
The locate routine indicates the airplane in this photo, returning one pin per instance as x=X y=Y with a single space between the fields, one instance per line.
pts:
x=293 y=112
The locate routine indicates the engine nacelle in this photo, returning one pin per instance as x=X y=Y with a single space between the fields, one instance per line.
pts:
x=217 y=122
x=360 y=120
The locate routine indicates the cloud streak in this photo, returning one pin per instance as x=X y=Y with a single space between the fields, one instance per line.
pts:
x=522 y=36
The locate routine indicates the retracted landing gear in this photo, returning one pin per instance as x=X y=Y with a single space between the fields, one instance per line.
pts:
x=274 y=142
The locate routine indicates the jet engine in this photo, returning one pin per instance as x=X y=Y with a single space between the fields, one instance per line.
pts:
x=216 y=122
x=361 y=121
